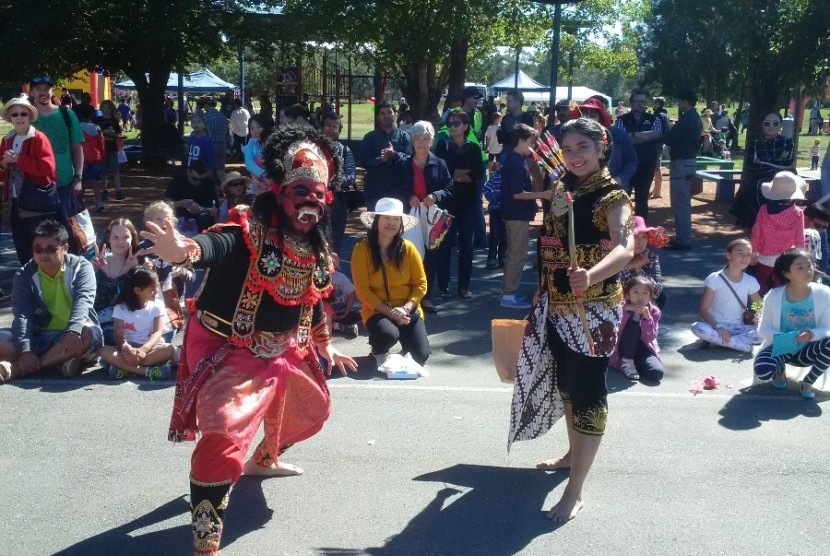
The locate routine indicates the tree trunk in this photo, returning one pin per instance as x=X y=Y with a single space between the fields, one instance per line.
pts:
x=458 y=64
x=798 y=117
x=151 y=88
x=422 y=91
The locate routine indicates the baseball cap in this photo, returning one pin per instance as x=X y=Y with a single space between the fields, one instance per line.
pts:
x=471 y=92
x=40 y=79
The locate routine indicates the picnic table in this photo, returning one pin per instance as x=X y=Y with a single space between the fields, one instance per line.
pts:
x=727 y=179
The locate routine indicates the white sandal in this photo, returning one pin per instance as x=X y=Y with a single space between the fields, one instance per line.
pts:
x=5 y=371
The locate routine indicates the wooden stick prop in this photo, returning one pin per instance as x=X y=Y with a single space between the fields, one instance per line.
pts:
x=580 y=306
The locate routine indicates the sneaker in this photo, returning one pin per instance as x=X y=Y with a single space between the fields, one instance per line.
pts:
x=119 y=196
x=159 y=372
x=114 y=373
x=629 y=370
x=351 y=331
x=72 y=368
x=380 y=358
x=514 y=301
x=5 y=371
x=493 y=264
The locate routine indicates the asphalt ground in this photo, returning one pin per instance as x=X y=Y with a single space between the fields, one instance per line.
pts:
x=421 y=467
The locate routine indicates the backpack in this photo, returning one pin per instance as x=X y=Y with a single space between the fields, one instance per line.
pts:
x=93 y=146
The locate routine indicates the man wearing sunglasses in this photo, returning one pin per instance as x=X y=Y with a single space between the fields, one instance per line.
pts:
x=62 y=128
x=55 y=325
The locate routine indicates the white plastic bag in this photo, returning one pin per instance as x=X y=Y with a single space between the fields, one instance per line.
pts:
x=398 y=367
x=416 y=234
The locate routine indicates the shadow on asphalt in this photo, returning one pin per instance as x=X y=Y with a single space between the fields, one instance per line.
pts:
x=746 y=411
x=122 y=540
x=494 y=510
x=696 y=353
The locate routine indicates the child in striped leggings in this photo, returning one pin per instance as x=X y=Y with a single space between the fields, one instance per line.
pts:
x=799 y=309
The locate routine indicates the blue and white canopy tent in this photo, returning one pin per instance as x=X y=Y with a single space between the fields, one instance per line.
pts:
x=200 y=81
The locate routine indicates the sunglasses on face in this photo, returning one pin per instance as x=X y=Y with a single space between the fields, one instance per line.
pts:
x=767 y=123
x=18 y=115
x=455 y=123
x=50 y=250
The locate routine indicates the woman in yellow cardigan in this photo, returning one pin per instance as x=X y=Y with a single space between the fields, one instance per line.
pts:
x=390 y=282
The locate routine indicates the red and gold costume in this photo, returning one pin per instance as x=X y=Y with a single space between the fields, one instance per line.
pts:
x=250 y=349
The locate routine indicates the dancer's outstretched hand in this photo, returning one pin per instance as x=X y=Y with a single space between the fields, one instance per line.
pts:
x=335 y=358
x=168 y=244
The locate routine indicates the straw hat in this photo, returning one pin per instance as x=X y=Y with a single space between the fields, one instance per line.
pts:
x=389 y=207
x=23 y=101
x=784 y=186
x=234 y=176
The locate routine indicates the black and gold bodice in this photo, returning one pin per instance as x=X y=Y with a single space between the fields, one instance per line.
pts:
x=593 y=200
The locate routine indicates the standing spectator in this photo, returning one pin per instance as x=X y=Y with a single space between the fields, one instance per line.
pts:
x=491 y=141
x=332 y=125
x=296 y=114
x=825 y=173
x=623 y=162
x=108 y=122
x=425 y=180
x=515 y=115
x=27 y=162
x=259 y=128
x=683 y=140
x=659 y=106
x=561 y=113
x=54 y=323
x=815 y=117
x=463 y=158
x=199 y=144
x=67 y=98
x=815 y=151
x=62 y=128
x=239 y=127
x=377 y=151
x=228 y=105
x=169 y=110
x=490 y=108
x=470 y=99
x=124 y=113
x=266 y=109
x=645 y=131
x=94 y=154
x=217 y=128
x=620 y=109
x=518 y=208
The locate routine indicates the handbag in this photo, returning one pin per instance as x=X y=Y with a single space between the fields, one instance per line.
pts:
x=439 y=226
x=38 y=198
x=507 y=337
x=749 y=314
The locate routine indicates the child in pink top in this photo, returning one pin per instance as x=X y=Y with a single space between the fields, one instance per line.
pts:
x=779 y=225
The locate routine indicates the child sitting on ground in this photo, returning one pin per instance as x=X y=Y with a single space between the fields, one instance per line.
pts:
x=779 y=225
x=161 y=213
x=138 y=328
x=343 y=317
x=636 y=353
x=646 y=261
x=816 y=222
x=795 y=324
x=724 y=302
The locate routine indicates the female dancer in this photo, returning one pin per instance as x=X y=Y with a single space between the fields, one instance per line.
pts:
x=575 y=322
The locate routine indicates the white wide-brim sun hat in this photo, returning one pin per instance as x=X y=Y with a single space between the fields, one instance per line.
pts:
x=23 y=101
x=784 y=186
x=389 y=207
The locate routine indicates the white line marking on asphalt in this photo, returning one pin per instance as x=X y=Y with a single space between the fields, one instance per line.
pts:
x=496 y=389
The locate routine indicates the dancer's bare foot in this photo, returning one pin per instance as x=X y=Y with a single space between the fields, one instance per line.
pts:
x=558 y=463
x=276 y=469
x=566 y=509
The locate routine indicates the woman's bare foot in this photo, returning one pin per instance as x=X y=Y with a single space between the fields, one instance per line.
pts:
x=558 y=463
x=655 y=195
x=566 y=509
x=276 y=469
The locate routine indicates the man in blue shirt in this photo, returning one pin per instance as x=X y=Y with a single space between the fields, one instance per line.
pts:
x=377 y=151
